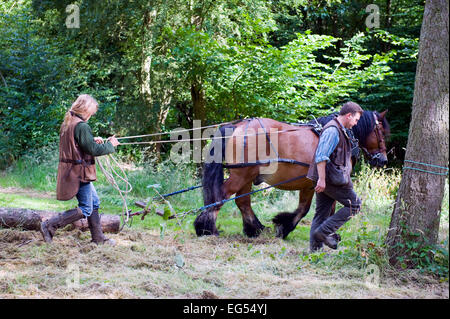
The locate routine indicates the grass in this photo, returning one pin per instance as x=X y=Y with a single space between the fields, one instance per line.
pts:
x=155 y=258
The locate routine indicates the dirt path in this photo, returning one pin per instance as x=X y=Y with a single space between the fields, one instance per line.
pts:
x=27 y=192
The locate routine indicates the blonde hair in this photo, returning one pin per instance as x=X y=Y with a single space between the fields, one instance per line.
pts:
x=84 y=106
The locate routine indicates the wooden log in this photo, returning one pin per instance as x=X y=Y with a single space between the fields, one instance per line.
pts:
x=29 y=219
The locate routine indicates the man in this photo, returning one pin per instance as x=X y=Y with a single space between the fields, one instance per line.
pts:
x=76 y=170
x=331 y=170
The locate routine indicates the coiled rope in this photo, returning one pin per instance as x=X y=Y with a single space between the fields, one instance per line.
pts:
x=104 y=162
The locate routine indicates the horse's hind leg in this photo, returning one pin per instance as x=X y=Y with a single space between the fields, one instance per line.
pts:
x=251 y=224
x=286 y=222
x=205 y=223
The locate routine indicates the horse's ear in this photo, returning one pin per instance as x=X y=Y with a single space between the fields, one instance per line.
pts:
x=383 y=114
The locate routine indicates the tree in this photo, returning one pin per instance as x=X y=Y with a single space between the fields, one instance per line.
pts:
x=416 y=216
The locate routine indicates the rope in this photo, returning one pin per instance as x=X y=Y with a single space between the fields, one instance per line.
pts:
x=446 y=168
x=196 y=210
x=164 y=133
x=110 y=173
x=206 y=138
x=426 y=171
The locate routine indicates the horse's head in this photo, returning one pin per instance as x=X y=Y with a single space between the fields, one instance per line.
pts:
x=372 y=131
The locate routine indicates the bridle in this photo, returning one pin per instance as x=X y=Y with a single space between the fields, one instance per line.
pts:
x=381 y=142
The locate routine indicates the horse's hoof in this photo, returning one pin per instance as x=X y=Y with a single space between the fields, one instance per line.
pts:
x=253 y=232
x=205 y=225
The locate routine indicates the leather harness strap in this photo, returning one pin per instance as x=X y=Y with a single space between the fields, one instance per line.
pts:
x=267 y=137
x=263 y=162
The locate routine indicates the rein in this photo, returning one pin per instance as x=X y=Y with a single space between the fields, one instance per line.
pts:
x=196 y=210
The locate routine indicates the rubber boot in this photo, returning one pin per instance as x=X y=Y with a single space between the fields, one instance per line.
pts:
x=96 y=230
x=49 y=227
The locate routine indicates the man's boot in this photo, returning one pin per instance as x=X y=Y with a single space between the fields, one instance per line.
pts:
x=49 y=227
x=326 y=237
x=315 y=246
x=96 y=229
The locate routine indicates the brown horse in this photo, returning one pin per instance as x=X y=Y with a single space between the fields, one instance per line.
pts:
x=264 y=150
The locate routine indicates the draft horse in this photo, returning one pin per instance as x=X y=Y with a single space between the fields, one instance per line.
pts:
x=295 y=150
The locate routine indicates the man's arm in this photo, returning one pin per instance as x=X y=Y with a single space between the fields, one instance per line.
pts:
x=327 y=143
x=320 y=186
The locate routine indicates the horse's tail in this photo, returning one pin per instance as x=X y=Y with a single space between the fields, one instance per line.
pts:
x=212 y=180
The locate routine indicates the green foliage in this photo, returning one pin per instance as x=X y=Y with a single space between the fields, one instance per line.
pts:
x=414 y=252
x=284 y=59
x=33 y=70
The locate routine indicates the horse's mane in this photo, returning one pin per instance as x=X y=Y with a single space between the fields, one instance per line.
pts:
x=365 y=125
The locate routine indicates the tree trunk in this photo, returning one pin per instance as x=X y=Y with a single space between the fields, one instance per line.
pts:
x=416 y=216
x=162 y=116
x=199 y=112
x=387 y=25
x=198 y=101
x=31 y=220
x=147 y=55
x=3 y=79
x=197 y=92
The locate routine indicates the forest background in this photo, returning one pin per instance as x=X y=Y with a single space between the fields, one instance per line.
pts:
x=158 y=65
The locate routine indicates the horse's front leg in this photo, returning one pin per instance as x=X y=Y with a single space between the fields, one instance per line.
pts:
x=251 y=225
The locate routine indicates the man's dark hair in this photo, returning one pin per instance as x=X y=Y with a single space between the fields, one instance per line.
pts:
x=351 y=107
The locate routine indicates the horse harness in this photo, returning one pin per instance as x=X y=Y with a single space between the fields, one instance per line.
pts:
x=380 y=140
x=267 y=161
x=316 y=128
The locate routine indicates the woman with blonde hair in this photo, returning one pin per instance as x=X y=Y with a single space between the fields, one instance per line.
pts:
x=76 y=170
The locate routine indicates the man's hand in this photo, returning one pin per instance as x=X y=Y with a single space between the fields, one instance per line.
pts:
x=321 y=182
x=113 y=140
x=320 y=187
x=98 y=140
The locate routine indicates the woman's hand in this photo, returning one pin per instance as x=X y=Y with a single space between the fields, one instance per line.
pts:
x=98 y=140
x=113 y=140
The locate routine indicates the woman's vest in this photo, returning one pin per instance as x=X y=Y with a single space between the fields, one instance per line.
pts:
x=339 y=168
x=74 y=166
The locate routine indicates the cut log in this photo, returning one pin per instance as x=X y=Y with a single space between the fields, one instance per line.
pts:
x=29 y=219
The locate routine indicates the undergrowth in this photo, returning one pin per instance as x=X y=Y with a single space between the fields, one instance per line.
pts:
x=363 y=238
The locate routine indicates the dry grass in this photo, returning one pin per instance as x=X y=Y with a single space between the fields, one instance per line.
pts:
x=143 y=265
x=179 y=265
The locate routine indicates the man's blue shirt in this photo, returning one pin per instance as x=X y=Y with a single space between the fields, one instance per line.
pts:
x=328 y=141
